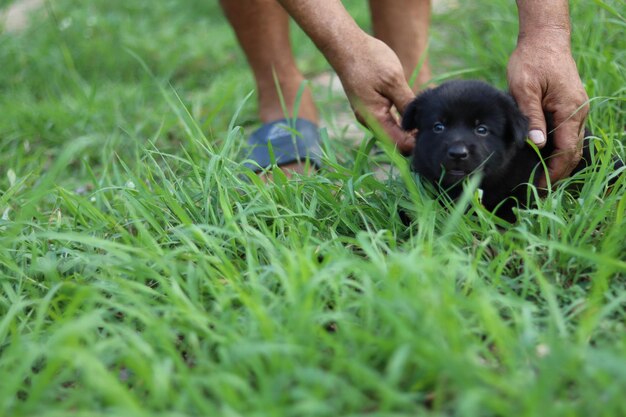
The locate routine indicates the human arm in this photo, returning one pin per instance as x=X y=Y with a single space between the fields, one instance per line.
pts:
x=543 y=77
x=369 y=70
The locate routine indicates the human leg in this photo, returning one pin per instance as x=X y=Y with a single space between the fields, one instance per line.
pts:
x=403 y=25
x=262 y=28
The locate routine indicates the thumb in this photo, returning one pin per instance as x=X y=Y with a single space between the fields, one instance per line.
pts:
x=401 y=97
x=530 y=105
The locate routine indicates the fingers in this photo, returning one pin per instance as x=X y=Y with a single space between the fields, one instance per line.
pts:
x=382 y=118
x=378 y=113
x=404 y=141
x=568 y=141
x=401 y=99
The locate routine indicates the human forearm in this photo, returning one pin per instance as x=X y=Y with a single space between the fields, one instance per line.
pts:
x=329 y=26
x=543 y=17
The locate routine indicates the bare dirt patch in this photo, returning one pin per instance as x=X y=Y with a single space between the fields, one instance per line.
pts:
x=15 y=17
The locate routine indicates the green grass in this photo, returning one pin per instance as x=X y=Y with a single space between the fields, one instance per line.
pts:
x=143 y=274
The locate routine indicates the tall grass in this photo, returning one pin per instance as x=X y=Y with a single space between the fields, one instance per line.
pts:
x=145 y=272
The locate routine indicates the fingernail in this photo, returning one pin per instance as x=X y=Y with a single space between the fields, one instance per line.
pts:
x=537 y=137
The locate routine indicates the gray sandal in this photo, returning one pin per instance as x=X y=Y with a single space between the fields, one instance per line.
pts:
x=292 y=140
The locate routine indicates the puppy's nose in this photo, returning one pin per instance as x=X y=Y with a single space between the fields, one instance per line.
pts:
x=458 y=151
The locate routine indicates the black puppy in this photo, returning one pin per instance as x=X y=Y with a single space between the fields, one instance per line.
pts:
x=466 y=127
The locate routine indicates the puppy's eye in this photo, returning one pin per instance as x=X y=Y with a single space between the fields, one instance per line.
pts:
x=481 y=130
x=438 y=127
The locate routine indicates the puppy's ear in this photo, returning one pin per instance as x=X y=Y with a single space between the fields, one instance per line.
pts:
x=414 y=111
x=410 y=118
x=517 y=124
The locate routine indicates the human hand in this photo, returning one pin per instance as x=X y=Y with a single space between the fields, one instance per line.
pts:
x=373 y=79
x=543 y=77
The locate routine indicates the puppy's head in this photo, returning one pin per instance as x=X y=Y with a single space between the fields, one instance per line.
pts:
x=464 y=127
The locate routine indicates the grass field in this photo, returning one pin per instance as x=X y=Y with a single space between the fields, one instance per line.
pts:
x=142 y=273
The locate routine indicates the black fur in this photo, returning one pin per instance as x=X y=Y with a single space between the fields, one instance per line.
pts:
x=445 y=156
